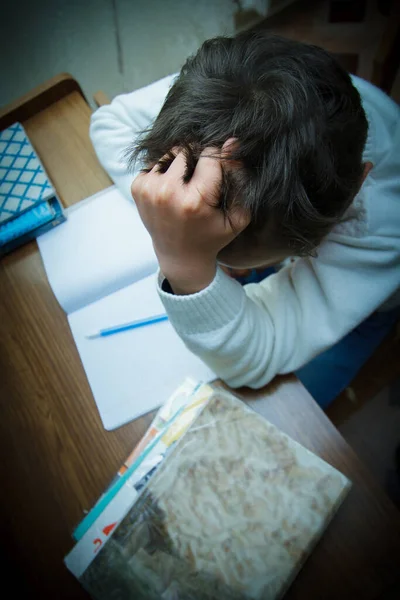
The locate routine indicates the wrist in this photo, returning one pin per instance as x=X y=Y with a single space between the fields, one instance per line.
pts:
x=186 y=279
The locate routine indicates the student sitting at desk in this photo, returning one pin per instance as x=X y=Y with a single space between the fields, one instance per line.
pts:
x=264 y=149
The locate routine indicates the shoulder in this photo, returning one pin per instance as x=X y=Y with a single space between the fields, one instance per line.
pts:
x=383 y=116
x=375 y=210
x=141 y=105
x=154 y=92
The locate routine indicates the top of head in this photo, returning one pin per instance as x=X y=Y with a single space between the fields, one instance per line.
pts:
x=299 y=122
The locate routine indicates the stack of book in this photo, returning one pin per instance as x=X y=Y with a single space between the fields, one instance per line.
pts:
x=214 y=502
x=29 y=205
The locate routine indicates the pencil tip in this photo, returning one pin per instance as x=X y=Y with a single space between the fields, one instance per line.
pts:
x=92 y=336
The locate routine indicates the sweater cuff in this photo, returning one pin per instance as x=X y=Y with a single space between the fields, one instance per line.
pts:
x=207 y=310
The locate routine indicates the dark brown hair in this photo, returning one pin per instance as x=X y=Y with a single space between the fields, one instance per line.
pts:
x=298 y=120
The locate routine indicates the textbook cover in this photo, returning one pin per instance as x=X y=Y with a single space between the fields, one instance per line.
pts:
x=233 y=512
x=29 y=205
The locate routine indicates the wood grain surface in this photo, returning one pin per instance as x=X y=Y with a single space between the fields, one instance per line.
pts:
x=39 y=98
x=56 y=458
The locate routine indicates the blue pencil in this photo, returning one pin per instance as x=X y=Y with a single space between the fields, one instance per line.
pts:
x=127 y=326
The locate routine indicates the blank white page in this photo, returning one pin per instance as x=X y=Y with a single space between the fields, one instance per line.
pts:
x=133 y=372
x=102 y=247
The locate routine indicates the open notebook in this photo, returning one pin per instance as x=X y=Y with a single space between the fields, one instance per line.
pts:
x=102 y=268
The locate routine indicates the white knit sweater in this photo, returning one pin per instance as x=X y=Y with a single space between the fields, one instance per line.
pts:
x=248 y=335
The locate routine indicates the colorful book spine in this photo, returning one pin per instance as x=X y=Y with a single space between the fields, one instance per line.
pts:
x=95 y=530
x=169 y=424
x=30 y=225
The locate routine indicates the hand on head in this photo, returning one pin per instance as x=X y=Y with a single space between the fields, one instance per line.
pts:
x=187 y=229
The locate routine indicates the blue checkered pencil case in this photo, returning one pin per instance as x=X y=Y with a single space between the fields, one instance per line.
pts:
x=29 y=205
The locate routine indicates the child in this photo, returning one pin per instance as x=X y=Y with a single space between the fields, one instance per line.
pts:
x=265 y=148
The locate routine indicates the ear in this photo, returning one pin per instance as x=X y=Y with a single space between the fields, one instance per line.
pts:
x=239 y=218
x=367 y=168
x=229 y=146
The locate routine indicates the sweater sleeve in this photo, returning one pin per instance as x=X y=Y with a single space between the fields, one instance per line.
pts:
x=115 y=127
x=249 y=335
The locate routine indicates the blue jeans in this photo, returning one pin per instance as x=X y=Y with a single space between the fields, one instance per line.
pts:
x=329 y=373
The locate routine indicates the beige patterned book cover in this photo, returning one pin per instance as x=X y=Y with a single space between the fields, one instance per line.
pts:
x=231 y=514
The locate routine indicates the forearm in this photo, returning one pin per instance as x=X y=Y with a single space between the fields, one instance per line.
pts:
x=249 y=335
x=226 y=330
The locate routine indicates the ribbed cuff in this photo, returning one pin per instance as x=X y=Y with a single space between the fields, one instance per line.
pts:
x=205 y=311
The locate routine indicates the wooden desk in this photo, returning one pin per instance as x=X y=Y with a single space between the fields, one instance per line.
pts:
x=56 y=458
